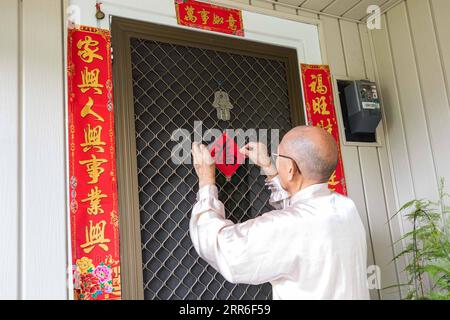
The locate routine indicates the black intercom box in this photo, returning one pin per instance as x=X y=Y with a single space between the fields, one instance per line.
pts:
x=352 y=109
x=363 y=106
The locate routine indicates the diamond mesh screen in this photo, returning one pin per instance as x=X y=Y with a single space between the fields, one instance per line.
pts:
x=173 y=86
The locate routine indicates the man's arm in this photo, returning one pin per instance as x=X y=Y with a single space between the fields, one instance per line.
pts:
x=207 y=220
x=242 y=253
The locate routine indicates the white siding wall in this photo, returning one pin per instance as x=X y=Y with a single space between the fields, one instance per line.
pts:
x=9 y=143
x=33 y=233
x=412 y=55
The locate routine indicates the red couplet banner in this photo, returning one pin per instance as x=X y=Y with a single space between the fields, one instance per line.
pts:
x=94 y=212
x=320 y=111
x=209 y=17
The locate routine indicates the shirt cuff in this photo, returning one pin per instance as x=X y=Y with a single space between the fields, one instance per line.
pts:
x=274 y=183
x=277 y=192
x=207 y=192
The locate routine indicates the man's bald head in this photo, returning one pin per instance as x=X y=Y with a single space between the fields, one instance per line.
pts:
x=314 y=150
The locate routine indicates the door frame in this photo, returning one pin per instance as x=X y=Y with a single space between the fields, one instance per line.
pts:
x=122 y=29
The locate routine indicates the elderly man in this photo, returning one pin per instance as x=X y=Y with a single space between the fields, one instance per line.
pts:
x=313 y=246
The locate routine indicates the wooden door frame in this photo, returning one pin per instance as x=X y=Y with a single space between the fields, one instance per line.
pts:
x=122 y=30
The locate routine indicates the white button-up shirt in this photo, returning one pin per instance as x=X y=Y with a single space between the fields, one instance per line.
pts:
x=312 y=247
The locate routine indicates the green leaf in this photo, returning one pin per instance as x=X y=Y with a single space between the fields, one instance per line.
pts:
x=427 y=247
x=405 y=206
x=396 y=286
x=401 y=254
x=435 y=269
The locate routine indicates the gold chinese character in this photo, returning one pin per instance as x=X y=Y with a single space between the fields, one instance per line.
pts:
x=115 y=265
x=116 y=281
x=320 y=106
x=205 y=16
x=94 y=198
x=92 y=139
x=328 y=127
x=90 y=80
x=95 y=235
x=87 y=109
x=332 y=183
x=217 y=19
x=93 y=167
x=190 y=14
x=317 y=84
x=232 y=23
x=88 y=54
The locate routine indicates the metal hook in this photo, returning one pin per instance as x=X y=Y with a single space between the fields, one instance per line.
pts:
x=100 y=15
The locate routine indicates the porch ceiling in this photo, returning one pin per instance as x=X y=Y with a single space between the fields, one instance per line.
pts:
x=351 y=9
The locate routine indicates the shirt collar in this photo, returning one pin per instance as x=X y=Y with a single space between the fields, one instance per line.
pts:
x=312 y=191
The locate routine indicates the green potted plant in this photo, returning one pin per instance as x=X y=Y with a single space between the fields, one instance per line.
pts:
x=427 y=248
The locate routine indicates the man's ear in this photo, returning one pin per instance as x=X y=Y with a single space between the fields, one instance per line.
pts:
x=291 y=171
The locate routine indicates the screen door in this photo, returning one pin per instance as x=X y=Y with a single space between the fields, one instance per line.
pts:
x=172 y=85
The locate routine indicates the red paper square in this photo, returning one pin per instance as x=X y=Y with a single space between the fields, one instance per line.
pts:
x=226 y=155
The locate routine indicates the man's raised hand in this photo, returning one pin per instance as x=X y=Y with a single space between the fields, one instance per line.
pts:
x=203 y=164
x=257 y=153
